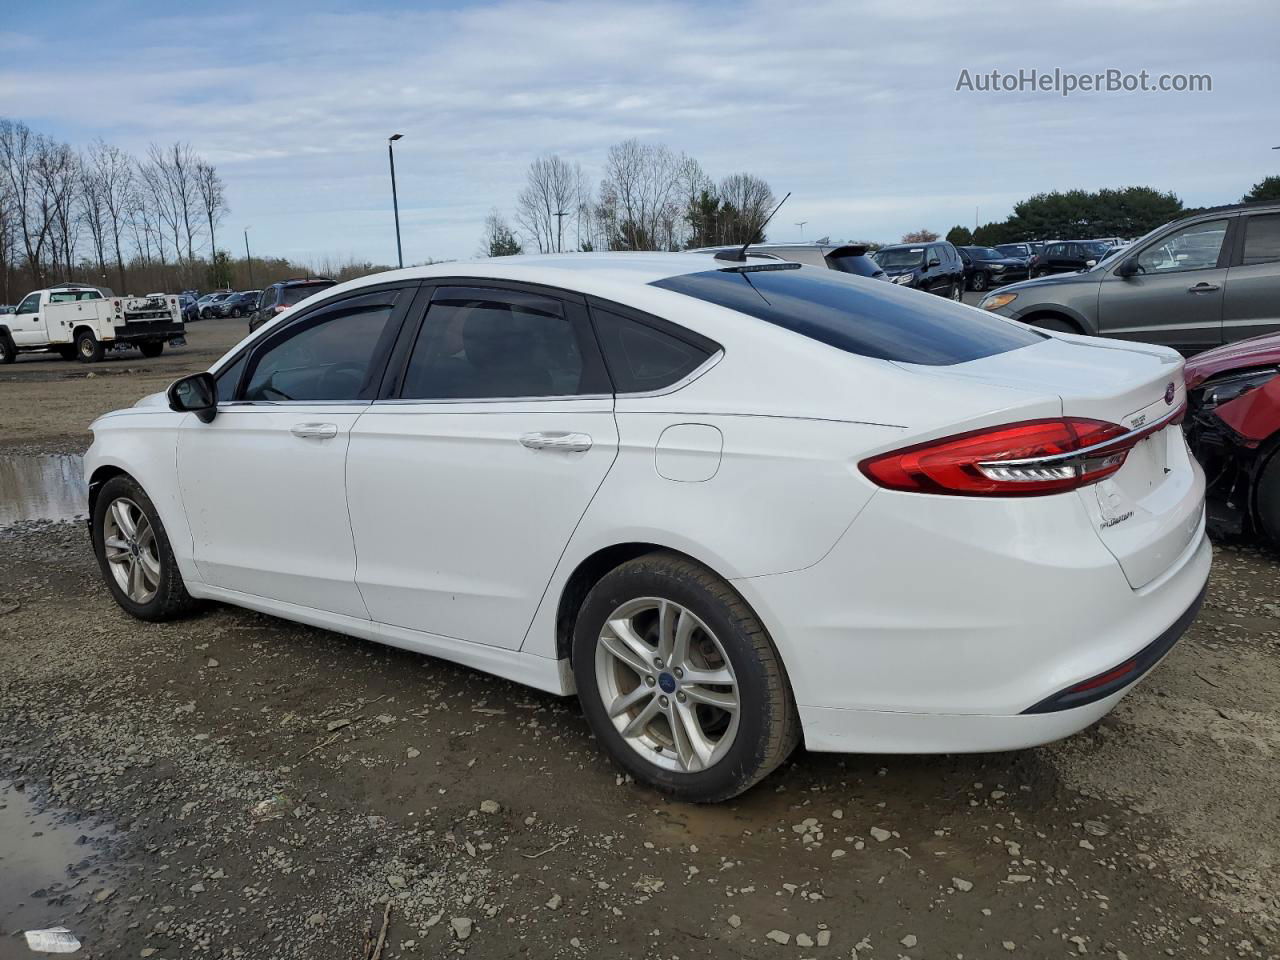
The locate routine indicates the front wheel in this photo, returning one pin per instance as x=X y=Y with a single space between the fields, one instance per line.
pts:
x=151 y=350
x=236 y=313
x=979 y=282
x=679 y=680
x=88 y=347
x=134 y=554
x=8 y=354
x=956 y=294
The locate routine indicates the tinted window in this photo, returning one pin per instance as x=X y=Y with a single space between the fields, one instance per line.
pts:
x=291 y=295
x=229 y=378
x=1192 y=248
x=900 y=257
x=873 y=320
x=474 y=348
x=328 y=359
x=648 y=356
x=1262 y=239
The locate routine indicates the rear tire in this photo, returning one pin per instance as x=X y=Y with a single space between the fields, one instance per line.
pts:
x=1267 y=500
x=709 y=739
x=151 y=350
x=8 y=353
x=88 y=347
x=138 y=565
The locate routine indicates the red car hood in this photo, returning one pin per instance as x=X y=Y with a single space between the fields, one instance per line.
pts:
x=1256 y=352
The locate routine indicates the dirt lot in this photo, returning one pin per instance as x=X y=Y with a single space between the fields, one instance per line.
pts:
x=238 y=786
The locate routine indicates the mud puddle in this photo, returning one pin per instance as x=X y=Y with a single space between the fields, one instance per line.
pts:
x=41 y=488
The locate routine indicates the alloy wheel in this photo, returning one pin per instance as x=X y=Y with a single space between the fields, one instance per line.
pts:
x=132 y=551
x=667 y=684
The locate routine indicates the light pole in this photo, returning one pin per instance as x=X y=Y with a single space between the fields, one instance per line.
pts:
x=248 y=259
x=395 y=203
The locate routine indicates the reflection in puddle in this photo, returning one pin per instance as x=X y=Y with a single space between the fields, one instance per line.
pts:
x=42 y=866
x=41 y=488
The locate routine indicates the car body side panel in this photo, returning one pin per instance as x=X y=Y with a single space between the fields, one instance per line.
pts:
x=1255 y=415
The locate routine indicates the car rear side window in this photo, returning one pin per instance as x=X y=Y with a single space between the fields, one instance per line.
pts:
x=644 y=356
x=1262 y=239
x=871 y=320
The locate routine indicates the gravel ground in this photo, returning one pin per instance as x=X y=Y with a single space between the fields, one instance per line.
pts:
x=238 y=786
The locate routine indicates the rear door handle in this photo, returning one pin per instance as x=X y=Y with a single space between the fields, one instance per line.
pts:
x=315 y=431
x=1203 y=288
x=564 y=442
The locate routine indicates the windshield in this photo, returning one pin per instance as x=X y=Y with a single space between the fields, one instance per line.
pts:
x=896 y=258
x=985 y=253
x=879 y=320
x=1012 y=250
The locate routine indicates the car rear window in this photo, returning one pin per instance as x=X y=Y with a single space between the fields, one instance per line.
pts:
x=858 y=264
x=291 y=295
x=872 y=320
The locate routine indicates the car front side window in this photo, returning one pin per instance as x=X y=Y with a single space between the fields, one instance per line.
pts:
x=329 y=355
x=30 y=305
x=1192 y=248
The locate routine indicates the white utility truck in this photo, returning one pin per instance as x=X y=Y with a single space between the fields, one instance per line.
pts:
x=81 y=322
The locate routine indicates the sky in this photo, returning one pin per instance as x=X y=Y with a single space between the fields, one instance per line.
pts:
x=851 y=107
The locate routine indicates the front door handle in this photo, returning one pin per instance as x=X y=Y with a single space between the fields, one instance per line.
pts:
x=315 y=431
x=1203 y=288
x=564 y=442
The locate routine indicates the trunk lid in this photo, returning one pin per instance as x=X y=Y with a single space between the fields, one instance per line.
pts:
x=1150 y=511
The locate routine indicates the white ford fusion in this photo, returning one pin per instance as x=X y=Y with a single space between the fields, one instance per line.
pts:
x=732 y=504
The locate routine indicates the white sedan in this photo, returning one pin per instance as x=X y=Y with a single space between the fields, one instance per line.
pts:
x=730 y=504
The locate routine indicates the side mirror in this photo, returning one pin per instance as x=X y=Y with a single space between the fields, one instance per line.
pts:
x=1128 y=267
x=1091 y=263
x=934 y=262
x=196 y=394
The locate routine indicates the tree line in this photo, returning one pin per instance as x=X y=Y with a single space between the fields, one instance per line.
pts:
x=104 y=216
x=649 y=198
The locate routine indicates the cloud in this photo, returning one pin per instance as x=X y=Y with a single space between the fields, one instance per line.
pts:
x=852 y=107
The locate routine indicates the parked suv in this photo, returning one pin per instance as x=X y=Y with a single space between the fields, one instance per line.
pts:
x=1192 y=284
x=282 y=295
x=237 y=304
x=845 y=257
x=934 y=267
x=1069 y=256
x=984 y=267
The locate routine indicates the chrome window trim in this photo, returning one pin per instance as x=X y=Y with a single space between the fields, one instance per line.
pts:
x=688 y=378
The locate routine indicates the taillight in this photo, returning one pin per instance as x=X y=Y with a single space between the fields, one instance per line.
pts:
x=1017 y=459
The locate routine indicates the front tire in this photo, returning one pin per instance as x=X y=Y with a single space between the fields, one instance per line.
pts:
x=679 y=680
x=979 y=282
x=151 y=350
x=134 y=554
x=8 y=353
x=957 y=293
x=1056 y=324
x=88 y=347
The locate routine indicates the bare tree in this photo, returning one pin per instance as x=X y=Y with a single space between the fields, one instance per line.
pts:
x=640 y=196
x=746 y=200
x=548 y=197
x=21 y=150
x=112 y=171
x=213 y=199
x=162 y=213
x=94 y=213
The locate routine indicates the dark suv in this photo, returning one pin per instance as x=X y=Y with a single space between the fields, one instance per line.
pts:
x=1198 y=282
x=984 y=267
x=1068 y=256
x=934 y=267
x=280 y=296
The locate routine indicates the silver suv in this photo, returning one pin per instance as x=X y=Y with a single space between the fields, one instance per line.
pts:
x=1196 y=283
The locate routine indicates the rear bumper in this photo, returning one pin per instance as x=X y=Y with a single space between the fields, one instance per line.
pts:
x=149 y=331
x=942 y=624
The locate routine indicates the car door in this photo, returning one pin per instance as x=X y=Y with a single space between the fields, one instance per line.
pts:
x=1175 y=298
x=466 y=481
x=264 y=483
x=25 y=325
x=1251 y=302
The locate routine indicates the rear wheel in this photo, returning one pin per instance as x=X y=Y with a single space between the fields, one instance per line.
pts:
x=8 y=353
x=1267 y=499
x=679 y=680
x=134 y=554
x=88 y=347
x=151 y=349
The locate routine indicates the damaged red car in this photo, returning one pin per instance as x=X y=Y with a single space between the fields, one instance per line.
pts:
x=1233 y=427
